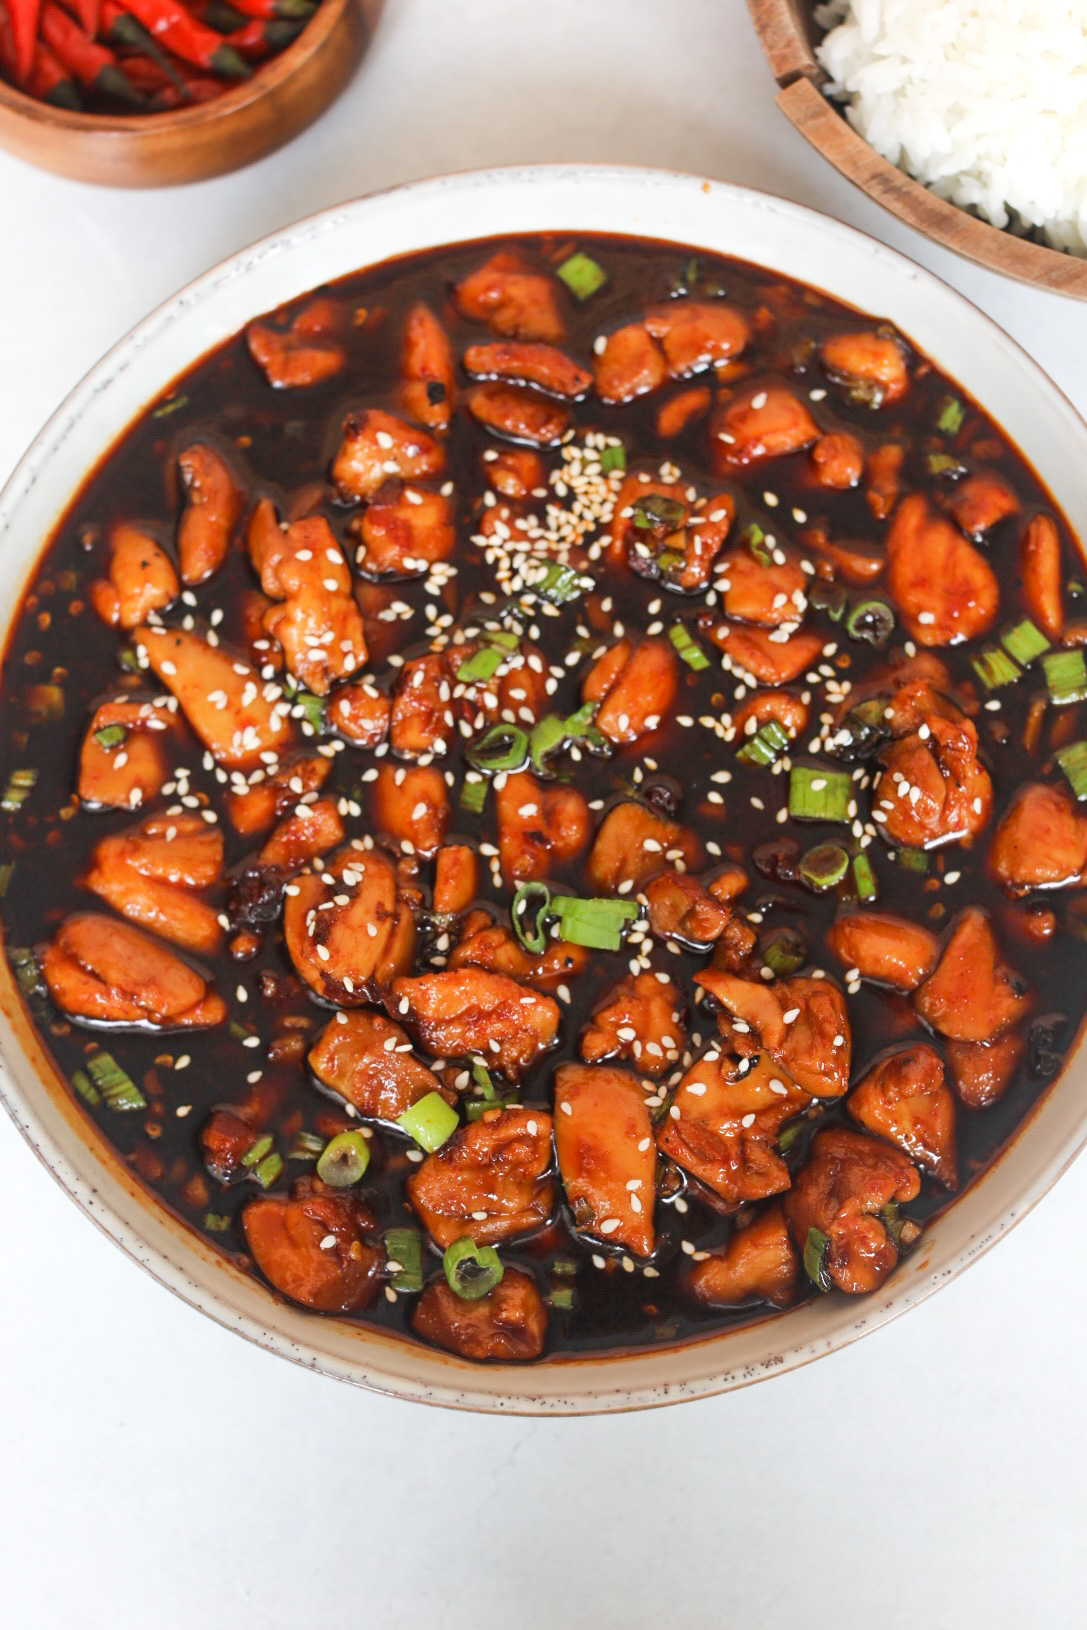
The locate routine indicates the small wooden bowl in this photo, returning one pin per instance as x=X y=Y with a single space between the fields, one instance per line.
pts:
x=189 y=144
x=788 y=33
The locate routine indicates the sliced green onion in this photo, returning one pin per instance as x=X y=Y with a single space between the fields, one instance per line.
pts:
x=597 y=924
x=305 y=1146
x=815 y=1258
x=560 y=584
x=311 y=709
x=502 y=747
x=344 y=1160
x=871 y=620
x=613 y=457
x=215 y=1222
x=483 y=1079
x=268 y=1170
x=1073 y=761
x=785 y=952
x=658 y=513
x=27 y=972
x=764 y=746
x=864 y=878
x=472 y=1270
x=547 y=736
x=1077 y=588
x=6 y=872
x=995 y=668
x=755 y=538
x=861 y=732
x=791 y=1135
x=528 y=913
x=831 y=598
x=688 y=649
x=819 y=794
x=1065 y=674
x=561 y=1297
x=951 y=417
x=20 y=784
x=117 y=1087
x=1024 y=641
x=912 y=860
x=86 y=1089
x=582 y=275
x=824 y=866
x=505 y=637
x=257 y=1150
x=473 y=796
x=404 y=1258
x=476 y=1108
x=110 y=736
x=482 y=665
x=170 y=404
x=430 y=1121
x=942 y=463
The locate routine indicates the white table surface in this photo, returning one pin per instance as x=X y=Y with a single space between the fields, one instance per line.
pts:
x=157 y=1473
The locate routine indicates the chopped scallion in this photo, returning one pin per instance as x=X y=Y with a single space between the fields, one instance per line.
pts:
x=597 y=924
x=305 y=1146
x=20 y=784
x=1024 y=641
x=560 y=584
x=817 y=793
x=473 y=796
x=995 y=668
x=404 y=1258
x=561 y=1297
x=547 y=737
x=688 y=649
x=613 y=457
x=582 y=275
x=766 y=744
x=215 y=1222
x=117 y=1087
x=1073 y=761
x=27 y=972
x=471 y=1270
x=6 y=871
x=912 y=860
x=502 y=747
x=755 y=538
x=528 y=914
x=1065 y=675
x=168 y=405
x=871 y=620
x=481 y=665
x=815 y=1258
x=784 y=952
x=658 y=513
x=430 y=1121
x=831 y=598
x=864 y=878
x=344 y=1160
x=824 y=866
x=476 y=1108
x=110 y=736
x=86 y=1089
x=268 y=1170
x=311 y=709
x=951 y=417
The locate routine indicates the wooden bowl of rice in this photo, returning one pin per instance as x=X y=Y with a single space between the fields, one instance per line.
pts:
x=789 y=34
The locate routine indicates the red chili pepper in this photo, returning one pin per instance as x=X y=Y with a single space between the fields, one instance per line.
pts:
x=122 y=30
x=91 y=63
x=86 y=15
x=7 y=43
x=51 y=82
x=171 y=25
x=260 y=37
x=275 y=8
x=24 y=16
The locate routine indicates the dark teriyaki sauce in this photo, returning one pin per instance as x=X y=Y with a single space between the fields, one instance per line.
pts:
x=282 y=442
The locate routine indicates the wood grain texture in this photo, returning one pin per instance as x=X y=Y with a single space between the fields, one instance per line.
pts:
x=245 y=123
x=786 y=31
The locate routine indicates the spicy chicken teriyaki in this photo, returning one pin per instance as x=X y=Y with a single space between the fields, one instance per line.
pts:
x=545 y=796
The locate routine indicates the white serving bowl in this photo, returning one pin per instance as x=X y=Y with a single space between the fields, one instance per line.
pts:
x=567 y=199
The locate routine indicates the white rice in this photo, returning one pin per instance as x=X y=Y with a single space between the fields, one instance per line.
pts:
x=985 y=101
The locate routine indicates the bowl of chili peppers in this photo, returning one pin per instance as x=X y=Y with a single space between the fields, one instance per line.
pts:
x=157 y=92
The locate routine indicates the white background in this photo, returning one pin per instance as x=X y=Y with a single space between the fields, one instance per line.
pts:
x=157 y=1473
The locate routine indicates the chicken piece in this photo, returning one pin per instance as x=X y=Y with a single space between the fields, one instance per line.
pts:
x=659 y=534
x=512 y=299
x=538 y=826
x=982 y=1071
x=462 y=1012
x=515 y=692
x=141 y=579
x=148 y=874
x=1040 y=841
x=884 y=470
x=801 y=1023
x=263 y=802
x=318 y=623
x=890 y=950
x=287 y=1239
x=509 y=1323
x=111 y=973
x=630 y=364
x=944 y=589
x=633 y=844
x=225 y=1140
x=735 y=948
x=515 y=472
x=763 y=654
x=360 y=712
x=491 y=946
x=123 y=763
x=368 y=1060
x=842 y=1191
x=979 y=502
x=377 y=445
x=1041 y=567
x=305 y=353
x=905 y=1099
x=519 y=415
x=728 y=883
x=606 y=1154
x=404 y=531
x=456 y=879
x=490 y=1181
x=212 y=510
x=681 y=908
x=919 y=690
x=634 y=687
x=771 y=595
x=640 y=1020
x=422 y=719
x=837 y=461
x=757 y=423
x=674 y=416
x=349 y=953
x=844 y=562
x=696 y=334
x=308 y=831
x=758 y=1264
x=971 y=995
x=872 y=366
x=933 y=789
x=722 y=1124
x=544 y=366
x=410 y=805
x=221 y=696
x=426 y=364
x=787 y=710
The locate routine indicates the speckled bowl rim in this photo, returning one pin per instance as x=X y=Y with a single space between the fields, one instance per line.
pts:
x=717 y=217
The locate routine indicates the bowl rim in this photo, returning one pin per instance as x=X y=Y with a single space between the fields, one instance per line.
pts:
x=175 y=1255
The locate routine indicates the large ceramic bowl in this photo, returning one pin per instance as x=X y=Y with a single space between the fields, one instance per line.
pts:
x=724 y=219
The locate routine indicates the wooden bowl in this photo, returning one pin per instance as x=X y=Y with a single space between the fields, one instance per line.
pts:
x=788 y=34
x=189 y=144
